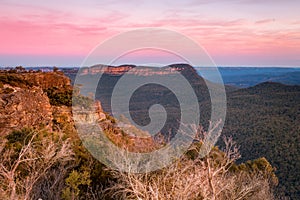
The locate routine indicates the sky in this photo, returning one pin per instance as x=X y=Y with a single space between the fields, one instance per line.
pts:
x=233 y=32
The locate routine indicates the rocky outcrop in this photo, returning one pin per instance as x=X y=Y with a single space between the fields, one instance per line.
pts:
x=104 y=69
x=136 y=70
x=89 y=116
x=24 y=102
x=23 y=107
x=48 y=80
x=43 y=80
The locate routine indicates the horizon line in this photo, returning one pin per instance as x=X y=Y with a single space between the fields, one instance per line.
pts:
x=219 y=66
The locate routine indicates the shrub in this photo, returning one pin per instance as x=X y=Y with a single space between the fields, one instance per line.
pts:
x=192 y=177
x=58 y=97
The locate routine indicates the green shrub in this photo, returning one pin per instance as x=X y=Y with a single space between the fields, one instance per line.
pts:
x=73 y=182
x=58 y=96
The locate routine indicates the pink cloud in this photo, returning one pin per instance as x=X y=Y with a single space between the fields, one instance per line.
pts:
x=50 y=34
x=264 y=21
x=185 y=23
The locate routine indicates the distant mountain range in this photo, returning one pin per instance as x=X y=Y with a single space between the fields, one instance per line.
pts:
x=250 y=76
x=241 y=77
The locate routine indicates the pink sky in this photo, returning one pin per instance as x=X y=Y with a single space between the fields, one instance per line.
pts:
x=234 y=32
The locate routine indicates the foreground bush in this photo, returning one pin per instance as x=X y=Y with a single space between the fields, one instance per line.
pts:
x=33 y=164
x=213 y=177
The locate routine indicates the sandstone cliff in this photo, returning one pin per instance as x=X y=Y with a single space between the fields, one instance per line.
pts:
x=23 y=107
x=24 y=102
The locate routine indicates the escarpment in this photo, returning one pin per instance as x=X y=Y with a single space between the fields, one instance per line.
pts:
x=24 y=102
x=22 y=107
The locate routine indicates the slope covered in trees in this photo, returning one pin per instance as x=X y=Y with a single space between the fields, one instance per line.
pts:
x=265 y=121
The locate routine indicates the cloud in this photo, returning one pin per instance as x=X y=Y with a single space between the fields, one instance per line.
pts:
x=37 y=37
x=265 y=21
x=187 y=22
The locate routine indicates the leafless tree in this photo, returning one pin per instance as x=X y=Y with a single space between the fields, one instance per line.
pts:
x=199 y=178
x=21 y=170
